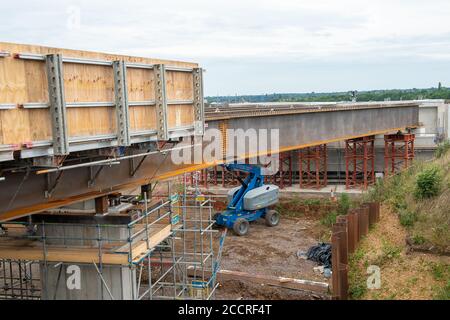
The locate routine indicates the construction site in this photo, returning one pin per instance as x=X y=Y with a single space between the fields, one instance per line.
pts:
x=95 y=203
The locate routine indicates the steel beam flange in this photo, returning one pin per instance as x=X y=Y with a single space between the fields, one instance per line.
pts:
x=54 y=66
x=199 y=110
x=161 y=102
x=121 y=96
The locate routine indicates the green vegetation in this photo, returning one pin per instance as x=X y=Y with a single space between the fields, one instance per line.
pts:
x=420 y=196
x=357 y=279
x=442 y=149
x=441 y=273
x=428 y=183
x=407 y=218
x=388 y=252
x=344 y=204
x=329 y=219
x=442 y=293
x=373 y=95
x=418 y=239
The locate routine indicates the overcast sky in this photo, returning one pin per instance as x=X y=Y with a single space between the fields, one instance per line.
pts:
x=256 y=46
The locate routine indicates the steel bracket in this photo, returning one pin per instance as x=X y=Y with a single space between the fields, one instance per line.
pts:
x=93 y=177
x=57 y=103
x=199 y=108
x=161 y=102
x=52 y=187
x=121 y=96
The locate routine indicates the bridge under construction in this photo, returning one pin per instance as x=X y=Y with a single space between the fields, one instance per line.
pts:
x=80 y=129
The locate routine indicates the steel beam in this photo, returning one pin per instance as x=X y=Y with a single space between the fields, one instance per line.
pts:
x=295 y=131
x=161 y=102
x=199 y=110
x=57 y=104
x=121 y=95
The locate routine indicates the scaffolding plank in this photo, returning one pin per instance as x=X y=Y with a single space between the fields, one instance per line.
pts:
x=32 y=250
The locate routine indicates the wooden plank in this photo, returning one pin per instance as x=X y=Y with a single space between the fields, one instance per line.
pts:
x=32 y=250
x=25 y=81
x=288 y=283
x=180 y=115
x=141 y=249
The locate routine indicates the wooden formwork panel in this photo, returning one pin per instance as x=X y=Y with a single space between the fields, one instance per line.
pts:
x=25 y=81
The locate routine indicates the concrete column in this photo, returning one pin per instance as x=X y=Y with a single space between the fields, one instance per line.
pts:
x=82 y=281
x=71 y=281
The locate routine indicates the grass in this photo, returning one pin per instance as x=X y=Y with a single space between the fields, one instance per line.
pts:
x=357 y=279
x=420 y=196
x=407 y=217
x=442 y=149
x=295 y=207
x=329 y=219
x=441 y=272
x=389 y=252
x=418 y=239
x=442 y=293
x=343 y=206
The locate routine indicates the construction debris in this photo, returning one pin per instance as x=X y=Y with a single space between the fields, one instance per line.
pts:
x=321 y=254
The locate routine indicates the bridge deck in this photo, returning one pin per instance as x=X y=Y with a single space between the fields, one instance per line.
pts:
x=24 y=192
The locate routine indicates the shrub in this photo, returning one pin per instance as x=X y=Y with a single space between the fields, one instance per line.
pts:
x=377 y=192
x=418 y=239
x=407 y=218
x=329 y=219
x=442 y=149
x=428 y=182
x=344 y=204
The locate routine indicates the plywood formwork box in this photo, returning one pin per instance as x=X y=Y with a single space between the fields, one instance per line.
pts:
x=90 y=94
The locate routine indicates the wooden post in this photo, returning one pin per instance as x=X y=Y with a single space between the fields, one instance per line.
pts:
x=101 y=205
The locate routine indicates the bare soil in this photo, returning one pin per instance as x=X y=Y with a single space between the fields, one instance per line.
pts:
x=272 y=252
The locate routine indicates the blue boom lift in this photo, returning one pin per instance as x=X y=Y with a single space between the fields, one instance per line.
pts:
x=249 y=202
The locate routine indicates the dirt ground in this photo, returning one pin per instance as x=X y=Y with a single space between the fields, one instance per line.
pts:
x=272 y=252
x=405 y=275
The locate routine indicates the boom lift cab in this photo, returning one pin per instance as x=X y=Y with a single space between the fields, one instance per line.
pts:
x=250 y=201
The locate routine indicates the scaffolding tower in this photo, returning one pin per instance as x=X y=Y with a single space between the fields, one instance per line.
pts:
x=161 y=249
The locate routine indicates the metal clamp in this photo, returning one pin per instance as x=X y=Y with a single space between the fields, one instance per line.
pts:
x=57 y=103
x=199 y=109
x=121 y=95
x=161 y=102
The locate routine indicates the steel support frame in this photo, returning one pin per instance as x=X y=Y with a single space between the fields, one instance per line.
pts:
x=55 y=75
x=313 y=167
x=161 y=102
x=209 y=176
x=121 y=97
x=284 y=176
x=360 y=162
x=398 y=152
